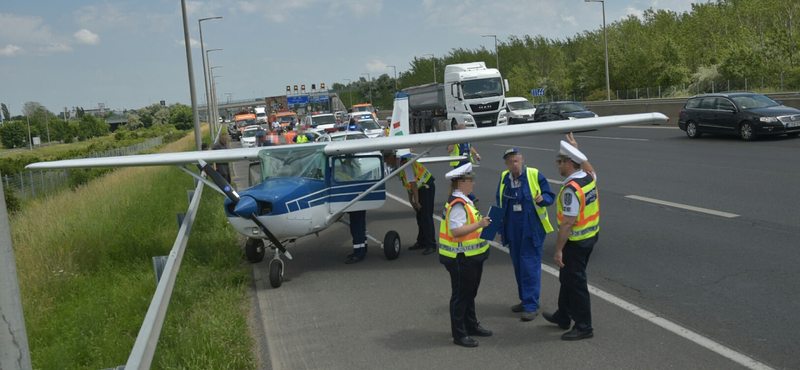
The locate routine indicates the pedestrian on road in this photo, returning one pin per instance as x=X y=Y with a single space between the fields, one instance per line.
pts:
x=462 y=252
x=421 y=192
x=578 y=231
x=222 y=168
x=524 y=195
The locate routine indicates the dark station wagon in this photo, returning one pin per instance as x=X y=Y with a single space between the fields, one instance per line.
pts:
x=745 y=114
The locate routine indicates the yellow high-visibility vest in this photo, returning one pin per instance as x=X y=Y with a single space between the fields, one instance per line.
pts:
x=533 y=183
x=587 y=224
x=470 y=244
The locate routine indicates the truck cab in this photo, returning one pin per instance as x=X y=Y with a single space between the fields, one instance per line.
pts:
x=475 y=95
x=261 y=114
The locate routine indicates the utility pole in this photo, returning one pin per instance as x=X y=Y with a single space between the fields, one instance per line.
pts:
x=370 y=87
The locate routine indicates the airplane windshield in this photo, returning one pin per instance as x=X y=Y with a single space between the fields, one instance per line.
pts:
x=293 y=161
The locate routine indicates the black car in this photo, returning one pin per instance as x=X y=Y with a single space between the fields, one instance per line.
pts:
x=745 y=114
x=561 y=110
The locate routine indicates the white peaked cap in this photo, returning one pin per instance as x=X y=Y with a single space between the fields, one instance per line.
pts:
x=459 y=172
x=572 y=152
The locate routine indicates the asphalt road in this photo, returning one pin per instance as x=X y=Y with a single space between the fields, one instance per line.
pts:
x=726 y=271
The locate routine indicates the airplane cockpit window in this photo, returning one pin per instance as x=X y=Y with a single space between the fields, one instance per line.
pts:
x=355 y=168
x=306 y=161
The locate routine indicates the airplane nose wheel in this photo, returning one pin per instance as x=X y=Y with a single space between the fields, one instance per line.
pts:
x=391 y=245
x=276 y=273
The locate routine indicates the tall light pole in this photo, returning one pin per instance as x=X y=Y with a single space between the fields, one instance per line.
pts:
x=208 y=104
x=212 y=119
x=395 y=77
x=30 y=143
x=496 y=55
x=205 y=67
x=434 y=66
x=46 y=123
x=351 y=92
x=198 y=140
x=605 y=41
x=370 y=87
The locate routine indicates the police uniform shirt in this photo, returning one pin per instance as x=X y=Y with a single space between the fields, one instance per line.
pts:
x=569 y=204
x=458 y=214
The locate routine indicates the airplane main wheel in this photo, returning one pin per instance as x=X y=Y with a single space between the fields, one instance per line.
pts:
x=254 y=250
x=275 y=273
x=391 y=245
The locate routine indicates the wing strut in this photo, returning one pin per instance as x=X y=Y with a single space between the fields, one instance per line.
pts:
x=200 y=178
x=377 y=185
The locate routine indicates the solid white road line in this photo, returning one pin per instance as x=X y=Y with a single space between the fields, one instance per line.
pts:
x=612 y=138
x=656 y=127
x=699 y=339
x=683 y=206
x=524 y=147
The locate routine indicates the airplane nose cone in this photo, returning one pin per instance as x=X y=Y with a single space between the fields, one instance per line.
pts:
x=246 y=206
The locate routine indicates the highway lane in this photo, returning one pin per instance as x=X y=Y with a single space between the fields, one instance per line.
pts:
x=729 y=278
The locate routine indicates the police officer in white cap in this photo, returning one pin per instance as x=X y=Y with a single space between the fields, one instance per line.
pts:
x=462 y=252
x=578 y=227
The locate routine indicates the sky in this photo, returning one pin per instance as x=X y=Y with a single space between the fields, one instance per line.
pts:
x=129 y=54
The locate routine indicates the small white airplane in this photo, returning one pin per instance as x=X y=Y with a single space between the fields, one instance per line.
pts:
x=305 y=188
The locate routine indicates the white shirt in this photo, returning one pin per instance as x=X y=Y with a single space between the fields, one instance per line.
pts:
x=569 y=201
x=458 y=214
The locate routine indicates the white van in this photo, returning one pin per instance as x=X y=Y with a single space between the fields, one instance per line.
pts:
x=520 y=110
x=261 y=114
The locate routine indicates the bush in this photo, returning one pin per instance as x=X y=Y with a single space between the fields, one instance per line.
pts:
x=120 y=135
x=599 y=95
x=13 y=205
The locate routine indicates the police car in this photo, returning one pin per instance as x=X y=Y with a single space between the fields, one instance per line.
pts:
x=369 y=126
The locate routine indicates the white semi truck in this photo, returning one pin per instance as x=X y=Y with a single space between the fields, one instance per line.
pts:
x=472 y=95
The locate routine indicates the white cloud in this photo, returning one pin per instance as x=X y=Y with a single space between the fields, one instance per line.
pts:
x=11 y=50
x=55 y=48
x=24 y=29
x=296 y=10
x=87 y=37
x=376 y=66
x=192 y=42
x=569 y=19
x=634 y=12
x=106 y=16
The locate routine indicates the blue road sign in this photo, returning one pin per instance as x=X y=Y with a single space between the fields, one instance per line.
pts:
x=321 y=98
x=299 y=99
x=537 y=92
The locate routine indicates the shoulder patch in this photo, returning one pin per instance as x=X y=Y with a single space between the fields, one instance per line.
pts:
x=568 y=198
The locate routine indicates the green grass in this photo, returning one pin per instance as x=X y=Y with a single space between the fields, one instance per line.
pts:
x=86 y=274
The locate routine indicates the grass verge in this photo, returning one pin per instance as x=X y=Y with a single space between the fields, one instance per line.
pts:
x=86 y=274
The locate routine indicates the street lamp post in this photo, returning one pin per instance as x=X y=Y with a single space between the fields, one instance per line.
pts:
x=212 y=118
x=198 y=140
x=46 y=124
x=205 y=67
x=351 y=91
x=395 y=77
x=605 y=41
x=370 y=87
x=209 y=109
x=434 y=66
x=496 y=55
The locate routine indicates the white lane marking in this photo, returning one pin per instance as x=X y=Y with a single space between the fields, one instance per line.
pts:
x=683 y=206
x=525 y=147
x=681 y=331
x=656 y=127
x=263 y=308
x=612 y=138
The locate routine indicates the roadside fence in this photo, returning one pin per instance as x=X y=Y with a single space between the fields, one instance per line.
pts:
x=28 y=185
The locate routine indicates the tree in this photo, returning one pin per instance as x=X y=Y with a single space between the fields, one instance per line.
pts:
x=181 y=117
x=14 y=134
x=6 y=114
x=89 y=127
x=29 y=108
x=133 y=122
x=161 y=117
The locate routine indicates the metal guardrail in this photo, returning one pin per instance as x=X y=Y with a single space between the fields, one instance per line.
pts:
x=144 y=348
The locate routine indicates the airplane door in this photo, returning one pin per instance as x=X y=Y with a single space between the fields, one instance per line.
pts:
x=353 y=175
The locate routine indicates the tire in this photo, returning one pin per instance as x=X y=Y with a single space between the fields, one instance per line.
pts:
x=275 y=273
x=391 y=245
x=454 y=125
x=434 y=126
x=793 y=134
x=747 y=132
x=254 y=250
x=692 y=131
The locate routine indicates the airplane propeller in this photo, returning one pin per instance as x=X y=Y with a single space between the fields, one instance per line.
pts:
x=247 y=207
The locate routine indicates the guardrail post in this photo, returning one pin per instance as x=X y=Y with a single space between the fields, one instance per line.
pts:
x=191 y=193
x=158 y=266
x=181 y=216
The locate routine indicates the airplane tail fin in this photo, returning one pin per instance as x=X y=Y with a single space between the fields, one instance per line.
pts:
x=399 y=125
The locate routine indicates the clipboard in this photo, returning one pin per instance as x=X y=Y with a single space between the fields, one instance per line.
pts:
x=496 y=214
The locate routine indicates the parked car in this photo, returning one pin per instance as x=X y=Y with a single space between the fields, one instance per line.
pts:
x=745 y=114
x=342 y=135
x=323 y=120
x=561 y=110
x=520 y=110
x=370 y=127
x=249 y=136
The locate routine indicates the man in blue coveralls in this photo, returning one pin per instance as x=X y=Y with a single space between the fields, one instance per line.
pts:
x=524 y=195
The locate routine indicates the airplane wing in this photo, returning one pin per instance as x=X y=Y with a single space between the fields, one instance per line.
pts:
x=488 y=133
x=360 y=146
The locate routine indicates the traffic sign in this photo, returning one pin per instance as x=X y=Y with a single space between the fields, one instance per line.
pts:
x=300 y=99
x=537 y=92
x=319 y=98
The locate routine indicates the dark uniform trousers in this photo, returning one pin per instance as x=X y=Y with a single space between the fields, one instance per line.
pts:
x=465 y=278
x=224 y=171
x=358 y=230
x=426 y=236
x=573 y=296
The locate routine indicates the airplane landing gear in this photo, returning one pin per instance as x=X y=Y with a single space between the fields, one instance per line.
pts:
x=276 y=270
x=391 y=245
x=254 y=250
